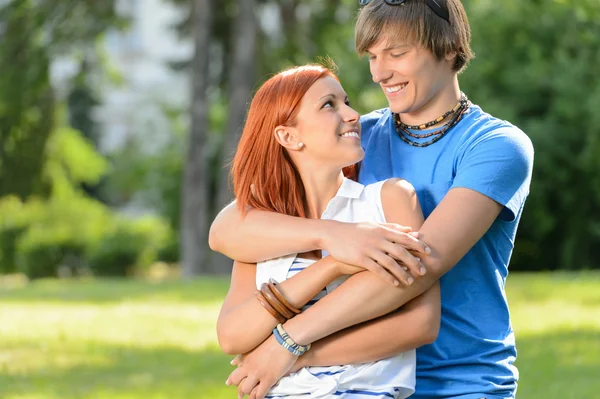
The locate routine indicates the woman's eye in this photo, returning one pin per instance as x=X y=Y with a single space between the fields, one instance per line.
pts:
x=328 y=104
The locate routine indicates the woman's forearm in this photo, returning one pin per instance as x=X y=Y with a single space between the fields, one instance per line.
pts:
x=245 y=325
x=362 y=297
x=263 y=235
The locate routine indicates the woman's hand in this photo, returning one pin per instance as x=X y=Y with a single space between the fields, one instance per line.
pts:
x=384 y=249
x=258 y=370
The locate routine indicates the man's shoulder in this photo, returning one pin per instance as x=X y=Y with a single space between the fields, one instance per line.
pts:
x=372 y=123
x=371 y=118
x=484 y=127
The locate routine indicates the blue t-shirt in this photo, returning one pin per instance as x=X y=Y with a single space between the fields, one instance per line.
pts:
x=474 y=353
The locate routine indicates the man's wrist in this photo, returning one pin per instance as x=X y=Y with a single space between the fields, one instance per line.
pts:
x=322 y=230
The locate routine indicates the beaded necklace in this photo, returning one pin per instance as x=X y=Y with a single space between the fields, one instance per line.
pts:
x=455 y=113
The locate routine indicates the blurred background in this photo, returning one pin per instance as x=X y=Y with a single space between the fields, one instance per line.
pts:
x=117 y=121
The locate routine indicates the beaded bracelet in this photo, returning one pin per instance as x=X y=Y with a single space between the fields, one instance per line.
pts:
x=288 y=343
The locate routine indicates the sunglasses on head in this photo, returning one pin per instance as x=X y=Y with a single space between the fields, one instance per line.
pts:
x=437 y=6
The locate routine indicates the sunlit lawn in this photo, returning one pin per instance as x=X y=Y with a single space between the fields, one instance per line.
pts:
x=134 y=339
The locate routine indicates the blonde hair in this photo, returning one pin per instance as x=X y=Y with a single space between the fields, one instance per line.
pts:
x=415 y=23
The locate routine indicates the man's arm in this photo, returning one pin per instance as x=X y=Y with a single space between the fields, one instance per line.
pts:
x=264 y=235
x=416 y=324
x=493 y=177
x=452 y=229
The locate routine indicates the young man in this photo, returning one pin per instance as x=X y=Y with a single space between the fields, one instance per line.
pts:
x=471 y=173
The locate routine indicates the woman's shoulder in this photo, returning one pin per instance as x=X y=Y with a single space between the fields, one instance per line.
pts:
x=400 y=203
x=393 y=188
x=397 y=188
x=391 y=193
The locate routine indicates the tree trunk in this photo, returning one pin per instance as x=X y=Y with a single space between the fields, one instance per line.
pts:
x=24 y=91
x=241 y=81
x=195 y=201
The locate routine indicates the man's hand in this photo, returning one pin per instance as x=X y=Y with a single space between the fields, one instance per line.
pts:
x=258 y=370
x=389 y=250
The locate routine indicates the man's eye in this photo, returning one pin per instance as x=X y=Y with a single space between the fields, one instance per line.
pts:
x=397 y=55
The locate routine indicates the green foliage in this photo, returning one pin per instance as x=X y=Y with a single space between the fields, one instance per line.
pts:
x=81 y=102
x=150 y=174
x=26 y=101
x=128 y=246
x=536 y=66
x=69 y=229
x=32 y=32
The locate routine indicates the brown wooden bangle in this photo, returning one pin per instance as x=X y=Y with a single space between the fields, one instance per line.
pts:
x=270 y=309
x=272 y=299
x=281 y=297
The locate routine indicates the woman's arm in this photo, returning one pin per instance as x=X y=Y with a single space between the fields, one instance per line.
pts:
x=244 y=323
x=264 y=235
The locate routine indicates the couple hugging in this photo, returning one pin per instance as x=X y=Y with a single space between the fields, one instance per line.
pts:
x=371 y=251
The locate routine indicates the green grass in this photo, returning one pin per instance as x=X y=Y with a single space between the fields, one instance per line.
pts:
x=133 y=339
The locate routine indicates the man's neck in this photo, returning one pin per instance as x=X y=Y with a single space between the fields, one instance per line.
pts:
x=437 y=106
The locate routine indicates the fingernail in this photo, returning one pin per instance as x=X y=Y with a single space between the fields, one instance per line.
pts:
x=422 y=270
x=396 y=283
x=227 y=383
x=231 y=362
x=418 y=259
x=427 y=250
x=410 y=280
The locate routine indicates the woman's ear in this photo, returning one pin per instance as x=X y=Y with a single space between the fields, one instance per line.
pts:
x=287 y=138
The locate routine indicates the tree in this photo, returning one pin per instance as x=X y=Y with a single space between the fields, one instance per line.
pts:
x=32 y=32
x=195 y=198
x=241 y=79
x=26 y=101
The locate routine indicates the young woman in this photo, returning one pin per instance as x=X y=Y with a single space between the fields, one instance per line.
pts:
x=471 y=172
x=300 y=137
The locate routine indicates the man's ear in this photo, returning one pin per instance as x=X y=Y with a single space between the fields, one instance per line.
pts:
x=450 y=56
x=286 y=136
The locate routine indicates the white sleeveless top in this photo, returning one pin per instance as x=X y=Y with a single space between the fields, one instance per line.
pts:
x=393 y=377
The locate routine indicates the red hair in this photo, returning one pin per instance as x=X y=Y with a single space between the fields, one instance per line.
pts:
x=264 y=177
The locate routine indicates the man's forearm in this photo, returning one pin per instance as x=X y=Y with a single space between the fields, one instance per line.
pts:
x=362 y=297
x=262 y=235
x=374 y=340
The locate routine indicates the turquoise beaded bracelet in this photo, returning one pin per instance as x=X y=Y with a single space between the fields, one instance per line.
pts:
x=288 y=343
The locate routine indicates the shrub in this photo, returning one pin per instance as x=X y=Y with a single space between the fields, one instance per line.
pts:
x=130 y=246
